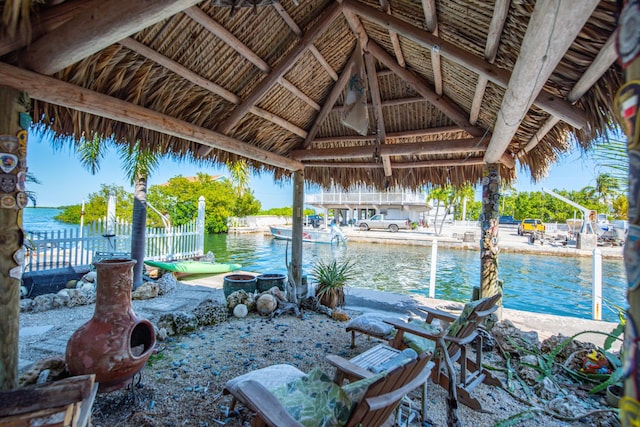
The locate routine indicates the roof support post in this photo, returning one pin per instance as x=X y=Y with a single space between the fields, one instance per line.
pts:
x=295 y=269
x=489 y=283
x=12 y=237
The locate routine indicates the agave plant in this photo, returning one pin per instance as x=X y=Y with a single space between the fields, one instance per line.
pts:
x=331 y=278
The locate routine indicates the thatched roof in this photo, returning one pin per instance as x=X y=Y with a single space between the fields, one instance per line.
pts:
x=451 y=84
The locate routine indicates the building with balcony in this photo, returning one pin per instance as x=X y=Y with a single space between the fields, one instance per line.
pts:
x=361 y=202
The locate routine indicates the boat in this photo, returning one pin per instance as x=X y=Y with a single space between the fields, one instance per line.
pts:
x=188 y=267
x=312 y=235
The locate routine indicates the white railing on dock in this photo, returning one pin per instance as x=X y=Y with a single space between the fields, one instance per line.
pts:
x=77 y=248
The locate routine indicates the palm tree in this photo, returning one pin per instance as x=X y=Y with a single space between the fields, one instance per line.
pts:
x=611 y=155
x=137 y=164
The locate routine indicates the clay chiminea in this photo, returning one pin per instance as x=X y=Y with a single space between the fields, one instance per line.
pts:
x=115 y=344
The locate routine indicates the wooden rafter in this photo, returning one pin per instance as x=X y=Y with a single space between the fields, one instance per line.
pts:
x=498 y=19
x=298 y=32
x=318 y=28
x=94 y=29
x=546 y=101
x=389 y=102
x=48 y=20
x=431 y=19
x=225 y=35
x=194 y=78
x=57 y=92
x=397 y=135
x=606 y=57
x=331 y=99
x=553 y=27
x=393 y=36
x=433 y=147
x=406 y=165
x=374 y=89
x=444 y=104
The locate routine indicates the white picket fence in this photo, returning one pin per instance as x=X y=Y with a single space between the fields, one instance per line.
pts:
x=79 y=248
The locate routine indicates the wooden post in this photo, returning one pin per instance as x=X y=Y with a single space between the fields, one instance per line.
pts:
x=296 y=229
x=626 y=104
x=13 y=149
x=489 y=249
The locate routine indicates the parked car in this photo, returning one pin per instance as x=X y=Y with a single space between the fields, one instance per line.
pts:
x=530 y=226
x=508 y=220
x=380 y=222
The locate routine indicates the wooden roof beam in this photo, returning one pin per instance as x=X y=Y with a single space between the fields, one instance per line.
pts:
x=316 y=29
x=431 y=18
x=440 y=163
x=500 y=12
x=406 y=134
x=545 y=100
x=331 y=98
x=374 y=89
x=393 y=36
x=48 y=89
x=225 y=35
x=389 y=102
x=444 y=104
x=94 y=29
x=147 y=52
x=433 y=147
x=298 y=32
x=48 y=20
x=603 y=61
x=552 y=29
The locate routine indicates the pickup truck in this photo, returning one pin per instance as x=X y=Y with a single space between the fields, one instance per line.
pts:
x=530 y=226
x=379 y=222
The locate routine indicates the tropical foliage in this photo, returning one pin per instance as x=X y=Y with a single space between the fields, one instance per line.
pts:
x=178 y=199
x=332 y=277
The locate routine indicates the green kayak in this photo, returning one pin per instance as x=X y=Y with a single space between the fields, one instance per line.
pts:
x=193 y=267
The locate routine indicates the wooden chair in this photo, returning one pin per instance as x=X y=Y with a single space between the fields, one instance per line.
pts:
x=372 y=399
x=449 y=346
x=62 y=403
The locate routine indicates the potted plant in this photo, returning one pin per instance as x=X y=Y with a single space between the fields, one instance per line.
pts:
x=331 y=278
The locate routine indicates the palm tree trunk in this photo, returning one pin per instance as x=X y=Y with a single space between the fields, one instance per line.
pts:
x=138 y=229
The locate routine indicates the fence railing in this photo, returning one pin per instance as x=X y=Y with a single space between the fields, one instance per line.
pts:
x=78 y=247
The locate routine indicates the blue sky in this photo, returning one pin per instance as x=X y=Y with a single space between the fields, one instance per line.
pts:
x=66 y=182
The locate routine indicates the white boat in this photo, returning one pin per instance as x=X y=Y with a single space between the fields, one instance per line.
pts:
x=312 y=235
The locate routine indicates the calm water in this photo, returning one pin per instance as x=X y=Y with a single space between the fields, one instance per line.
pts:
x=542 y=284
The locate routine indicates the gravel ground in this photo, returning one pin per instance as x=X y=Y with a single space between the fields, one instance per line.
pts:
x=182 y=384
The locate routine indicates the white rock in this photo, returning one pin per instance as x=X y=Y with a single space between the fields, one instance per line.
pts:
x=266 y=304
x=240 y=310
x=90 y=276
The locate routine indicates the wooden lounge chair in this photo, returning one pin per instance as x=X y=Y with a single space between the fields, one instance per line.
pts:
x=449 y=346
x=314 y=399
x=62 y=403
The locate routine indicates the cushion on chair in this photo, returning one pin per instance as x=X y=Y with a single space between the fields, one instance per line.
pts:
x=457 y=324
x=270 y=377
x=315 y=400
x=371 y=324
x=420 y=344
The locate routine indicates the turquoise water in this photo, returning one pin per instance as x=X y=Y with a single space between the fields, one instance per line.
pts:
x=542 y=284
x=41 y=219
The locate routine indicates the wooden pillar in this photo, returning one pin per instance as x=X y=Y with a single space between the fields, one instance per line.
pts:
x=489 y=249
x=13 y=149
x=296 y=228
x=626 y=103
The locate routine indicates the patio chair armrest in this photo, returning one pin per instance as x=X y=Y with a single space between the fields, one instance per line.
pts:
x=386 y=399
x=434 y=313
x=347 y=368
x=462 y=341
x=403 y=327
x=266 y=405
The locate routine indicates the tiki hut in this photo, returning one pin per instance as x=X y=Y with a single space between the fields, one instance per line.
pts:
x=338 y=93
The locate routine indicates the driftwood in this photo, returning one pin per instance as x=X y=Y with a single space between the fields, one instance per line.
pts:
x=66 y=402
